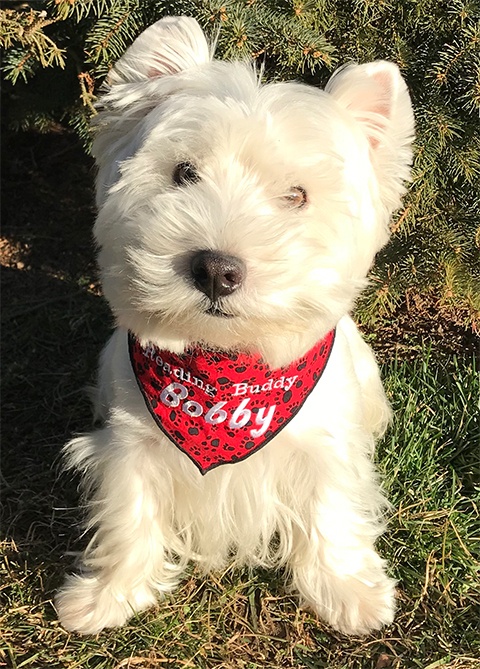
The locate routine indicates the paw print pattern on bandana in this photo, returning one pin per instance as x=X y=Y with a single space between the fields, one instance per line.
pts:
x=220 y=408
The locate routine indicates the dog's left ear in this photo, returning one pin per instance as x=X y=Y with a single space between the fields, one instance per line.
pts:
x=376 y=95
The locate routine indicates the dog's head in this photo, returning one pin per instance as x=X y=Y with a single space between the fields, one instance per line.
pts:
x=238 y=214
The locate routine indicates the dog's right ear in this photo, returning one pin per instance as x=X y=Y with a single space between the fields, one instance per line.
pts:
x=169 y=46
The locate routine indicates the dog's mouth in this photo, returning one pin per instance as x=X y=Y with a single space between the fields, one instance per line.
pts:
x=214 y=310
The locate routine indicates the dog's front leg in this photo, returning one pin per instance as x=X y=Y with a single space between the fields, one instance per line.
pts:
x=334 y=565
x=127 y=563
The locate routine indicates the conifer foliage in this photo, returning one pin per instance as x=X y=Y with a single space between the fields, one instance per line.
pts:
x=56 y=54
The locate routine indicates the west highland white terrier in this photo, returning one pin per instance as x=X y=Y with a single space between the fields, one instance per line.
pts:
x=237 y=222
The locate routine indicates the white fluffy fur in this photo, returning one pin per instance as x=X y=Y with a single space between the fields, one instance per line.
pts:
x=309 y=501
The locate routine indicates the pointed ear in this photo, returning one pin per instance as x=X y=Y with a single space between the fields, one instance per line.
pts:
x=376 y=96
x=173 y=44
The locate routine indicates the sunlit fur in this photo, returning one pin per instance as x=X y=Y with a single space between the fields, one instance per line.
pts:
x=309 y=501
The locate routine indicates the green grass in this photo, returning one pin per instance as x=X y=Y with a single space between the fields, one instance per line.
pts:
x=246 y=620
x=430 y=461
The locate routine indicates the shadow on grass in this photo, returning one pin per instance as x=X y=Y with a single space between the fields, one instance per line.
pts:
x=54 y=323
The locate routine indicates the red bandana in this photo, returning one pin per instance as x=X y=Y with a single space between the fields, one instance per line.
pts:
x=219 y=408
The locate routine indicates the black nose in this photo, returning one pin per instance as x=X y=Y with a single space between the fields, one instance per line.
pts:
x=216 y=274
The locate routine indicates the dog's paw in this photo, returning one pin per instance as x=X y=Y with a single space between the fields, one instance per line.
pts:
x=369 y=607
x=360 y=606
x=86 y=605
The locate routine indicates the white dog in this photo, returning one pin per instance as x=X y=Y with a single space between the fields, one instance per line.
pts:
x=237 y=222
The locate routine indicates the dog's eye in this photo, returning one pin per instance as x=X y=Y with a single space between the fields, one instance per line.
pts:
x=296 y=197
x=185 y=173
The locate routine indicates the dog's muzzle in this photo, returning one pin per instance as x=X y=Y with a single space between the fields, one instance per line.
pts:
x=215 y=274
